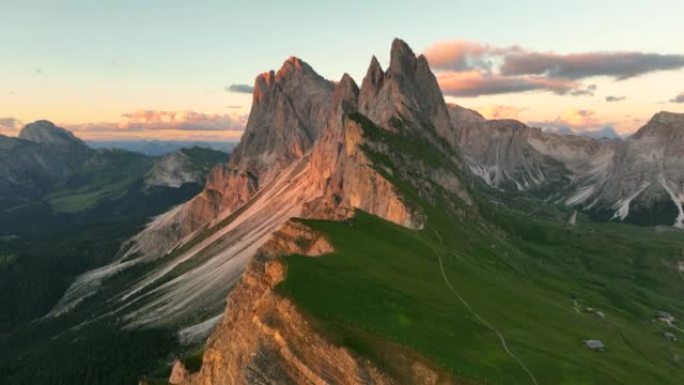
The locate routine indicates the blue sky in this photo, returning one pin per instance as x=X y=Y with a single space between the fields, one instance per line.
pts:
x=87 y=62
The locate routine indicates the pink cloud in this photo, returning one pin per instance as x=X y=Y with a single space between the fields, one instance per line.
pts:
x=470 y=68
x=475 y=83
x=10 y=126
x=165 y=125
x=497 y=111
x=678 y=99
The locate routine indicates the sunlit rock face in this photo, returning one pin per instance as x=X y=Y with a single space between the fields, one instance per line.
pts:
x=302 y=155
x=263 y=338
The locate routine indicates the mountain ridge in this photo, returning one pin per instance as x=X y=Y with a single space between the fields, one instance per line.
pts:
x=376 y=182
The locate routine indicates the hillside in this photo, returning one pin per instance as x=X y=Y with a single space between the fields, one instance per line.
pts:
x=66 y=208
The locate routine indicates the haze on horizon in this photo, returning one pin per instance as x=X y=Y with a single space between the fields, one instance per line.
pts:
x=180 y=71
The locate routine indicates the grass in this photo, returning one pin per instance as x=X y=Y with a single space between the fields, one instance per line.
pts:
x=537 y=281
x=385 y=280
x=6 y=259
x=107 y=176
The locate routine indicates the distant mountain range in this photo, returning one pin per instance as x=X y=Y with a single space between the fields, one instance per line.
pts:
x=639 y=179
x=65 y=208
x=159 y=147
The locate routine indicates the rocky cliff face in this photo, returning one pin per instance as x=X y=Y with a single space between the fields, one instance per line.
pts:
x=636 y=179
x=304 y=153
x=264 y=339
x=187 y=165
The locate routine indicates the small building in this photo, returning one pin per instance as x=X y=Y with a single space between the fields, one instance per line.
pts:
x=595 y=345
x=670 y=337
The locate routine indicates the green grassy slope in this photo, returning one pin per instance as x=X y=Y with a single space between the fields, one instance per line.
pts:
x=541 y=285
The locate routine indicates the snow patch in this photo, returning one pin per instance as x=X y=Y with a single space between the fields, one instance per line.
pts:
x=580 y=196
x=677 y=198
x=197 y=333
x=622 y=204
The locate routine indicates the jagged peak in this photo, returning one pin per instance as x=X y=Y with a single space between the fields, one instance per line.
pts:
x=374 y=68
x=291 y=68
x=346 y=91
x=46 y=132
x=372 y=83
x=402 y=57
x=294 y=65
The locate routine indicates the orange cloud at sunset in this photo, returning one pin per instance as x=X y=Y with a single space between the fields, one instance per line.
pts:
x=169 y=125
x=475 y=83
x=152 y=124
x=498 y=111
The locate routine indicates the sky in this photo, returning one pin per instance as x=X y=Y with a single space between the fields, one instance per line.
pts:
x=183 y=70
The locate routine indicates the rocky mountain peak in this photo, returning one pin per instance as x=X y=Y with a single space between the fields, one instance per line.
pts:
x=289 y=108
x=46 y=132
x=662 y=125
x=371 y=85
x=346 y=93
x=402 y=58
x=294 y=65
x=407 y=92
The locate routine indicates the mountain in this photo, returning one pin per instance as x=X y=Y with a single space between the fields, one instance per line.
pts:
x=65 y=208
x=184 y=166
x=41 y=155
x=159 y=147
x=374 y=235
x=635 y=179
x=606 y=132
x=298 y=158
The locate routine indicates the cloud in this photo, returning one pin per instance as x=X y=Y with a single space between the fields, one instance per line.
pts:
x=476 y=83
x=180 y=120
x=611 y=98
x=578 y=122
x=574 y=119
x=154 y=124
x=603 y=132
x=463 y=55
x=10 y=126
x=589 y=91
x=678 y=99
x=240 y=88
x=497 y=111
x=619 y=65
x=483 y=69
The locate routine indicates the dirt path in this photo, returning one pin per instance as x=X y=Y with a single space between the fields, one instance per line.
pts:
x=479 y=318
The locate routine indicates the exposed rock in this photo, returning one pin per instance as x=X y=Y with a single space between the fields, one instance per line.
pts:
x=407 y=92
x=637 y=179
x=178 y=168
x=264 y=339
x=179 y=374
x=303 y=154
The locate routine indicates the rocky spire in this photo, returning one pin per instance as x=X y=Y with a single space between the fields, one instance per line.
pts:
x=346 y=94
x=288 y=110
x=402 y=59
x=371 y=85
x=408 y=91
